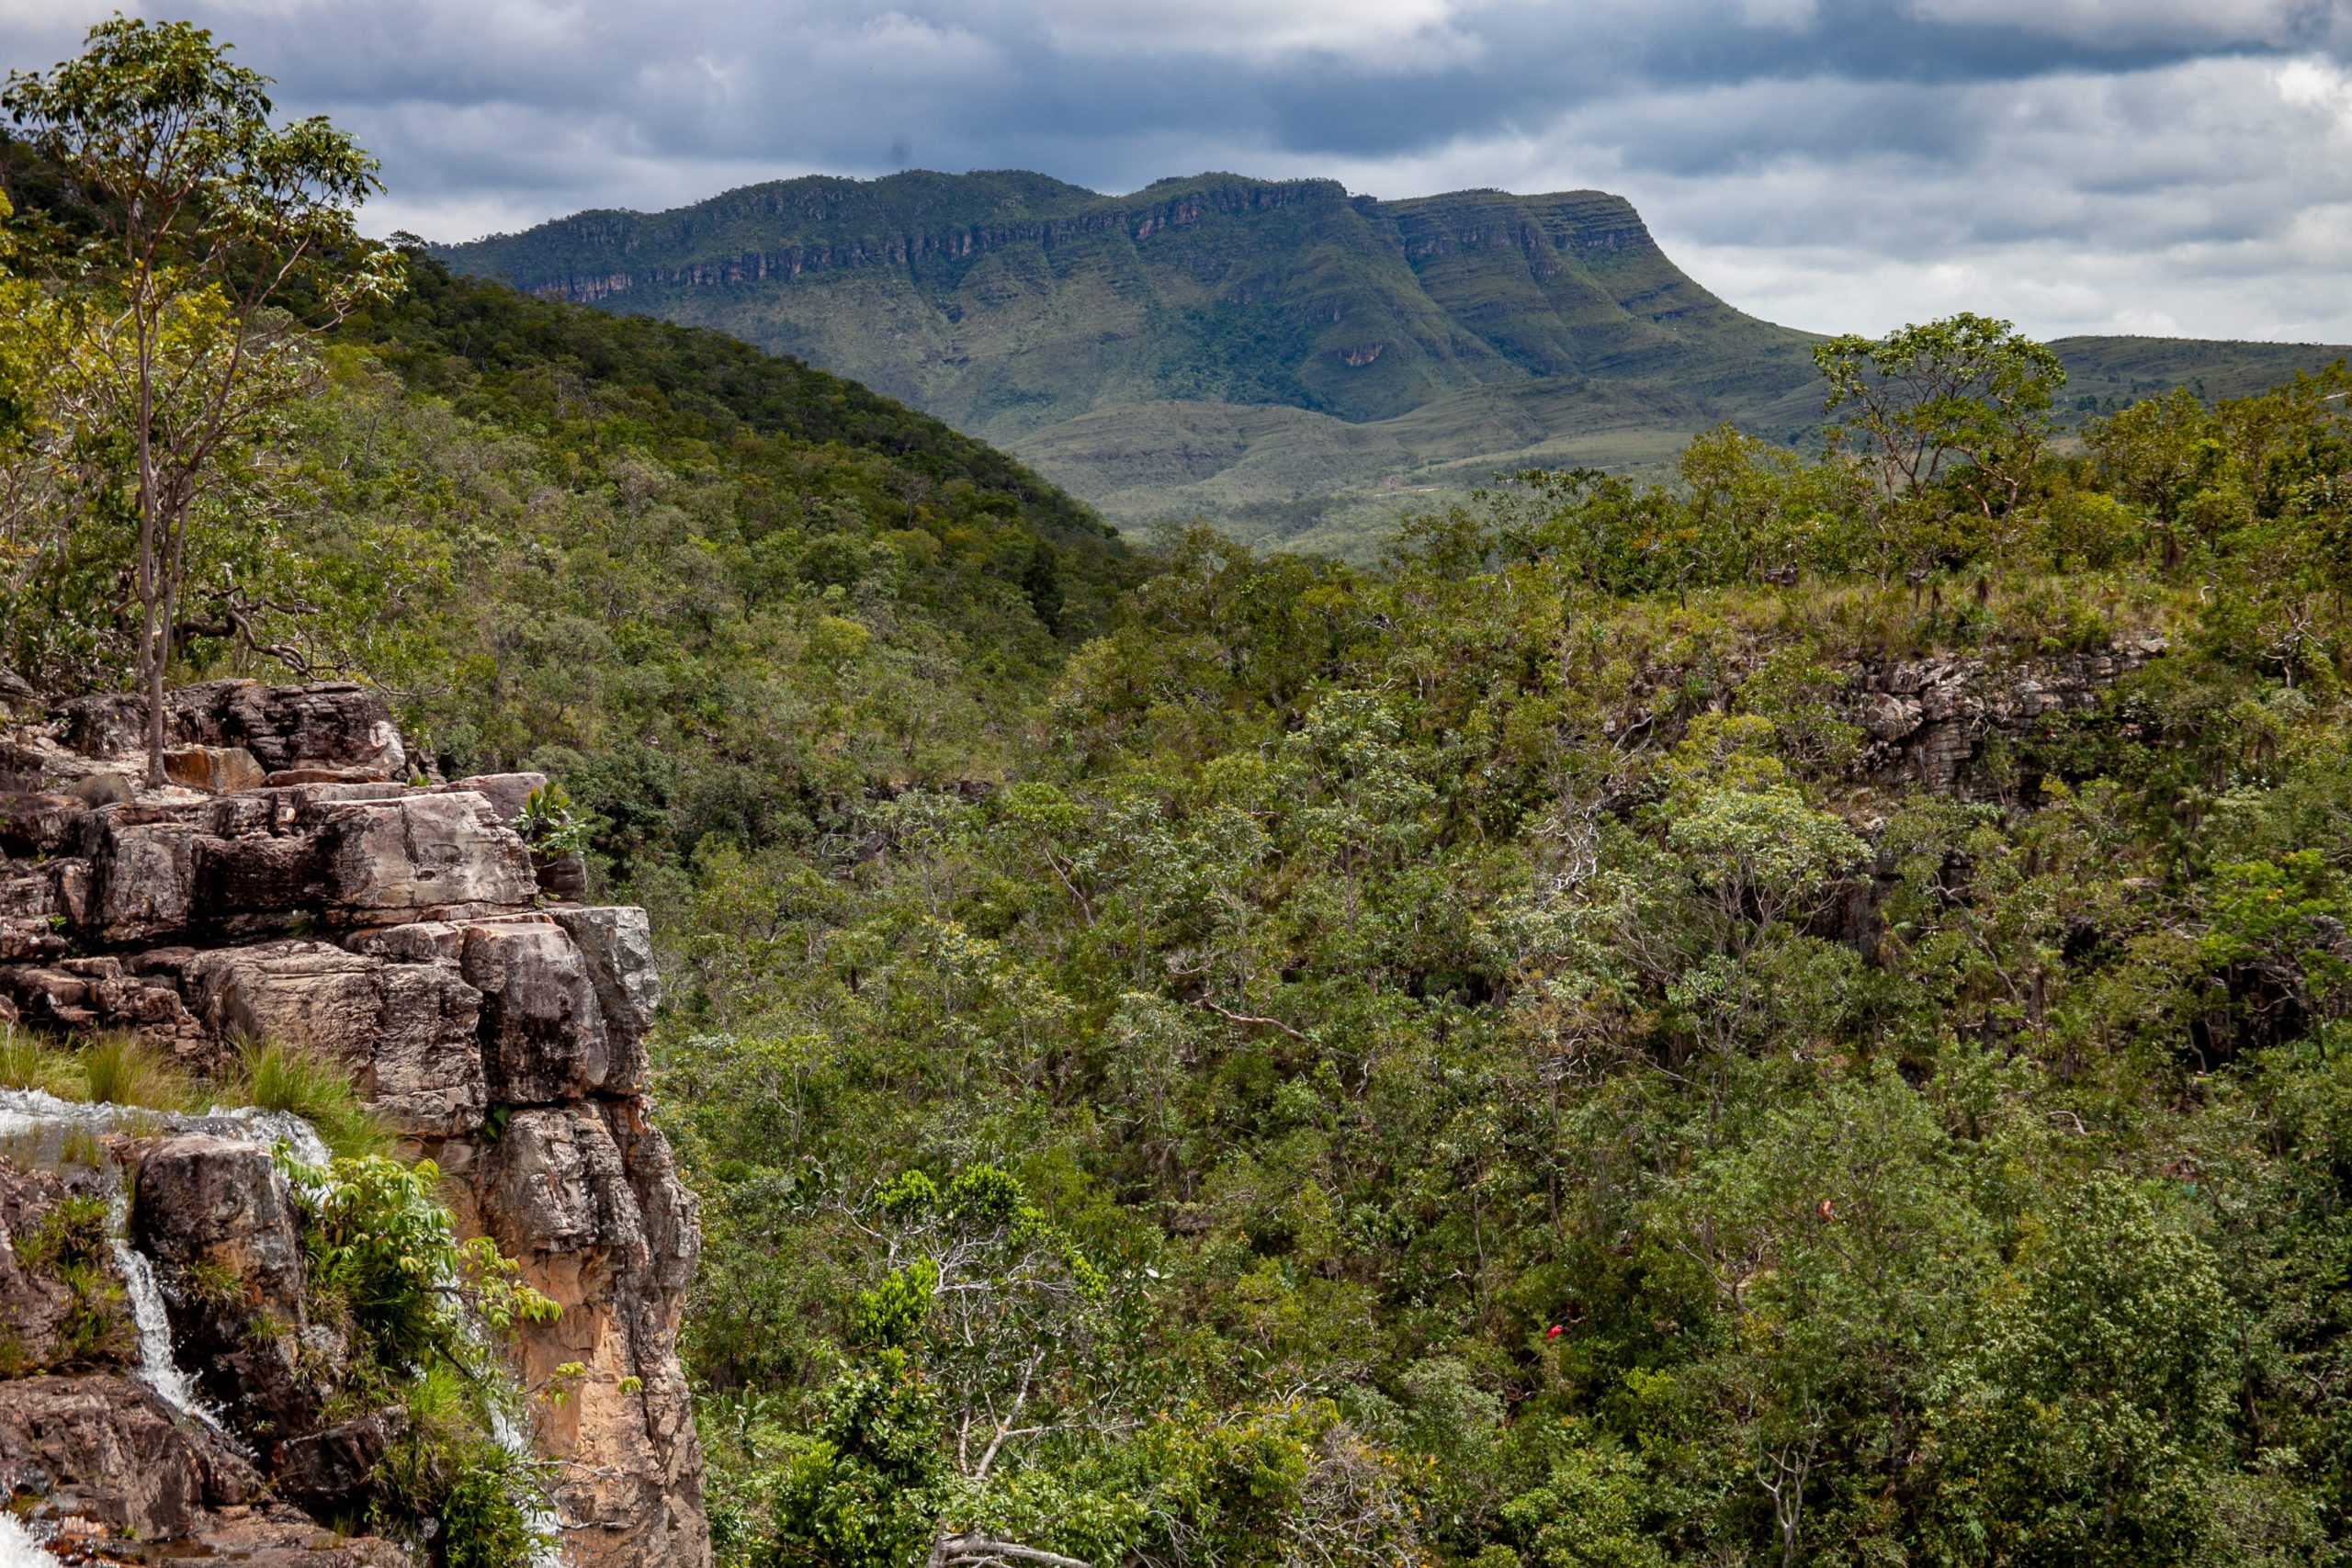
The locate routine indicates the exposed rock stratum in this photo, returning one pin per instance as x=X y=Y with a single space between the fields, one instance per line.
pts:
x=296 y=883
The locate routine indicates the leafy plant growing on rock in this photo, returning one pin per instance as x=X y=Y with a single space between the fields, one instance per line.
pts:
x=423 y=1309
x=550 y=826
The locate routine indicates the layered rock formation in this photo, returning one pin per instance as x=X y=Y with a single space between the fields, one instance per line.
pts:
x=298 y=885
x=1930 y=723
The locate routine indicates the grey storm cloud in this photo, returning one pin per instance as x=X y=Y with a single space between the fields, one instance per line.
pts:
x=2076 y=164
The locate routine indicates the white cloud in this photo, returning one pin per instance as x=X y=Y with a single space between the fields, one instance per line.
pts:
x=1834 y=166
x=1366 y=33
x=1794 y=15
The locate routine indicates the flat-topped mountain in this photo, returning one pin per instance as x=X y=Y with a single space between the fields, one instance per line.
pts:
x=1275 y=352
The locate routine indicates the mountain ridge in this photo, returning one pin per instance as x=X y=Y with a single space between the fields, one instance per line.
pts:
x=1071 y=326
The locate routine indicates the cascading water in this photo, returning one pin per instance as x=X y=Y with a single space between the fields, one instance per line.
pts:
x=157 y=1370
x=508 y=1433
x=18 y=1546
x=42 y=1131
x=36 y=1127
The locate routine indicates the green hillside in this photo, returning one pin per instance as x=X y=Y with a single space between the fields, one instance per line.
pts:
x=1301 y=365
x=1803 y=1017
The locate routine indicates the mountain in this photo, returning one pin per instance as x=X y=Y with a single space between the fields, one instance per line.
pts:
x=1274 y=353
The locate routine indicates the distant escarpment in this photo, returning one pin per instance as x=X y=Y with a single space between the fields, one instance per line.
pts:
x=1270 y=353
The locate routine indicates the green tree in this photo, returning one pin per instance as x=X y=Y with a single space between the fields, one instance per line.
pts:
x=2167 y=456
x=2089 y=1422
x=977 y=1340
x=1963 y=400
x=216 y=226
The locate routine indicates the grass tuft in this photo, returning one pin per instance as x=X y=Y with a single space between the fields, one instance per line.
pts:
x=316 y=1087
x=27 y=1061
x=122 y=1069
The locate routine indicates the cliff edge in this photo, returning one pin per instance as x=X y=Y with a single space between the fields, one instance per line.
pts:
x=297 y=882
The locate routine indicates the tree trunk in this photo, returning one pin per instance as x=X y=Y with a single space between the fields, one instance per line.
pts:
x=150 y=598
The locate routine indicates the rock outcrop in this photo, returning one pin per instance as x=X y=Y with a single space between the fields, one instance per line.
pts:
x=297 y=883
x=1928 y=722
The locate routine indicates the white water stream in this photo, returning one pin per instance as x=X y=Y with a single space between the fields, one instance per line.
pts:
x=540 y=1513
x=45 y=1133
x=18 y=1548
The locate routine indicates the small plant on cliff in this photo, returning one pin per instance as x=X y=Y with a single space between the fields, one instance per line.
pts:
x=423 y=1311
x=277 y=1077
x=70 y=1246
x=549 y=825
x=384 y=1249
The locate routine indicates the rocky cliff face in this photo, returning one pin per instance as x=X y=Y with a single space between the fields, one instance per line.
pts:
x=295 y=886
x=1928 y=722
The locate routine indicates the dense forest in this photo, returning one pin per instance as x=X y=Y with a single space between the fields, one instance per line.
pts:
x=1506 y=1056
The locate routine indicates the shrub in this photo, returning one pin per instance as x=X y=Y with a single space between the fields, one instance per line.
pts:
x=445 y=1467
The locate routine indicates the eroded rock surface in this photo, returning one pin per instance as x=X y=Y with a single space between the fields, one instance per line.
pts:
x=219 y=1220
x=1928 y=722
x=105 y=1448
x=322 y=900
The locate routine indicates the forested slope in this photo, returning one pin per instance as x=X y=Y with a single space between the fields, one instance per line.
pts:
x=1794 y=1016
x=1770 y=1020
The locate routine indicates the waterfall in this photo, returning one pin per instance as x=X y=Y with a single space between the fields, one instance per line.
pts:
x=511 y=1435
x=39 y=1130
x=157 y=1367
x=19 y=1547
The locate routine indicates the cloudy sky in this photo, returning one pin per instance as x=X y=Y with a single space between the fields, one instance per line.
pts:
x=2078 y=165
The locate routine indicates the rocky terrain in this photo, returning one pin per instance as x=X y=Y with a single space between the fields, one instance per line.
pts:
x=300 y=883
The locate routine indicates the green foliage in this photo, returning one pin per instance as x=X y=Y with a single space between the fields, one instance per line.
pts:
x=424 y=1314
x=1374 y=971
x=480 y=1499
x=382 y=1247
x=277 y=1077
x=72 y=1246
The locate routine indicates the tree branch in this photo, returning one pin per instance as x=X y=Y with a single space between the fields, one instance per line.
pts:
x=975 y=1547
x=1247 y=1018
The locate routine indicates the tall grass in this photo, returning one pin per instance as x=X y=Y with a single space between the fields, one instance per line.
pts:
x=122 y=1069
x=316 y=1087
x=113 y=1069
x=27 y=1061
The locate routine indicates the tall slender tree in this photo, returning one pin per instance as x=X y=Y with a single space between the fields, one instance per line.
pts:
x=223 y=242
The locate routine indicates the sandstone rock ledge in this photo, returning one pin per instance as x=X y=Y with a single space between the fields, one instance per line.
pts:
x=296 y=883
